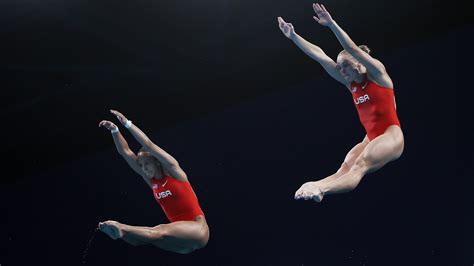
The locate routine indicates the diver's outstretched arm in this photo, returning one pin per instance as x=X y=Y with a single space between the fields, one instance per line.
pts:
x=374 y=66
x=123 y=148
x=311 y=50
x=166 y=160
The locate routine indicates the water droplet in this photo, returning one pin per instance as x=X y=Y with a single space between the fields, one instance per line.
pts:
x=88 y=245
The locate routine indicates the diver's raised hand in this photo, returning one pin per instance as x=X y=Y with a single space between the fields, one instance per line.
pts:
x=322 y=15
x=108 y=125
x=119 y=116
x=286 y=28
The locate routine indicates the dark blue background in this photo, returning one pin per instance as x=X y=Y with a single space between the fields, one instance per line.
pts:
x=246 y=161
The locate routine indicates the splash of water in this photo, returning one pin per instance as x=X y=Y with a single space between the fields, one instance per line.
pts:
x=88 y=245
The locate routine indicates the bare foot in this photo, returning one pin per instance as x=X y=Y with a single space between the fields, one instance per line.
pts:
x=310 y=190
x=112 y=229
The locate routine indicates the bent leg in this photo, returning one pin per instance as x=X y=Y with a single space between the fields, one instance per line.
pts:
x=380 y=151
x=183 y=236
x=133 y=240
x=349 y=160
x=115 y=231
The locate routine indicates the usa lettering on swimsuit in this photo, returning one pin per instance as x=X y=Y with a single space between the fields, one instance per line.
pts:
x=362 y=99
x=163 y=194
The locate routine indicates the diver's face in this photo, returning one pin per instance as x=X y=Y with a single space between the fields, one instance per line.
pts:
x=148 y=164
x=348 y=67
